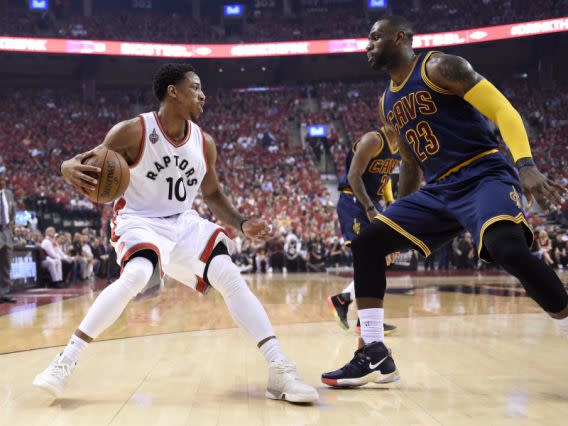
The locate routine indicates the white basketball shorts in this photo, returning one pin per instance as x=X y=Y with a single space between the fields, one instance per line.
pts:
x=182 y=242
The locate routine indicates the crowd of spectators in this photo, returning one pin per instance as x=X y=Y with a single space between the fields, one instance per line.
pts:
x=66 y=259
x=159 y=25
x=261 y=171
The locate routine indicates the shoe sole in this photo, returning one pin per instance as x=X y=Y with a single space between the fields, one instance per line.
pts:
x=271 y=394
x=374 y=377
x=46 y=387
x=335 y=314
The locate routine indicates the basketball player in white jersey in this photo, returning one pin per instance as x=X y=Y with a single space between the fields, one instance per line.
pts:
x=156 y=232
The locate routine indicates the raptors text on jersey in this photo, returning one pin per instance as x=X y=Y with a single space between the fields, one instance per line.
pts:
x=166 y=175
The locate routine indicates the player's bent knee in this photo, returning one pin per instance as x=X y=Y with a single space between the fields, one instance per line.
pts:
x=372 y=239
x=224 y=276
x=136 y=274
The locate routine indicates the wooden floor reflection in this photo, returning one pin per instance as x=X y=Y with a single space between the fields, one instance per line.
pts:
x=471 y=349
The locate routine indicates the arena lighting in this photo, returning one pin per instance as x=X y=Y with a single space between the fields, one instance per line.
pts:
x=317 y=131
x=233 y=10
x=307 y=47
x=377 y=4
x=39 y=4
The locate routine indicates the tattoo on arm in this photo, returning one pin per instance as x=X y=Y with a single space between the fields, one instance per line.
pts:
x=453 y=73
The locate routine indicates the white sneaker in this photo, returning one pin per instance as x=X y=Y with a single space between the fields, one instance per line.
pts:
x=285 y=383
x=54 y=377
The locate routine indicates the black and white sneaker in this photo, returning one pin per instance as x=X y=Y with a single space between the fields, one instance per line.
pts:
x=339 y=308
x=372 y=363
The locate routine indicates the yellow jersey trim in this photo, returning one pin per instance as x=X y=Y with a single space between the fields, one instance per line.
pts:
x=393 y=148
x=394 y=88
x=520 y=218
x=347 y=191
x=429 y=82
x=380 y=148
x=416 y=241
x=382 y=108
x=467 y=163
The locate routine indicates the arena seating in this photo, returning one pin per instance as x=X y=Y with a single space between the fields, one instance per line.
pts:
x=262 y=173
x=157 y=25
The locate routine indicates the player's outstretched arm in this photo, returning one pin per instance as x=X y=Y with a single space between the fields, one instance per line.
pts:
x=457 y=76
x=124 y=138
x=365 y=149
x=219 y=203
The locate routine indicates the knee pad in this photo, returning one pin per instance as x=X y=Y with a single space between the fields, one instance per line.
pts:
x=136 y=274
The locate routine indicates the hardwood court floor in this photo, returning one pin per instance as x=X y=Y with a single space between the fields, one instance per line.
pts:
x=472 y=350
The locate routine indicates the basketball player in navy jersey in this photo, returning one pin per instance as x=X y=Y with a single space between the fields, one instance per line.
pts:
x=155 y=229
x=368 y=166
x=436 y=103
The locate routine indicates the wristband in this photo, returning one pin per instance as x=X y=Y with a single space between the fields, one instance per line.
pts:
x=242 y=223
x=524 y=162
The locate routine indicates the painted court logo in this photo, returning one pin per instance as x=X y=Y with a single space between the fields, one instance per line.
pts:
x=154 y=136
x=515 y=197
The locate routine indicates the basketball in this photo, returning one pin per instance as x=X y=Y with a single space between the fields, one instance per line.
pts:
x=114 y=177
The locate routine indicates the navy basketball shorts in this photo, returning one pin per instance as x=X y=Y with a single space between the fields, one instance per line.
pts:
x=471 y=199
x=352 y=216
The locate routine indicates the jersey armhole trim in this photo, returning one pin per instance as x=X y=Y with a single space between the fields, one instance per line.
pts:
x=142 y=143
x=381 y=146
x=429 y=82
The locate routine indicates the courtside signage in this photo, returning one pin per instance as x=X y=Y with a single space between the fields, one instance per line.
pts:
x=247 y=50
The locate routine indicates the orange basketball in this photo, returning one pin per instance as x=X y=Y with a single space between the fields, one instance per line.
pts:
x=114 y=177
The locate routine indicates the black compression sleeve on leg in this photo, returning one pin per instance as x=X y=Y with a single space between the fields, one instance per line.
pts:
x=369 y=250
x=506 y=243
x=146 y=254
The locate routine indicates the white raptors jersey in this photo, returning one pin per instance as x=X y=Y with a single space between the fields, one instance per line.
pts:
x=166 y=176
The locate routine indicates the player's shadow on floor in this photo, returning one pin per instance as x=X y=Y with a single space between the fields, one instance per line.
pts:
x=74 y=403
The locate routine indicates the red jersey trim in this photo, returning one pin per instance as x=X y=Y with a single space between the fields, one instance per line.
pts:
x=138 y=247
x=118 y=206
x=210 y=245
x=171 y=141
x=201 y=286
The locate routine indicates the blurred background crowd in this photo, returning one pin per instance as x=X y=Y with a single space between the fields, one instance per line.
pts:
x=270 y=162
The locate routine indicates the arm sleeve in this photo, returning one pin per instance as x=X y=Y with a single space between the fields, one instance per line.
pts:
x=486 y=98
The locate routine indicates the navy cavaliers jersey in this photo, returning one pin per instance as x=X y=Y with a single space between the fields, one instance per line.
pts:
x=444 y=131
x=378 y=171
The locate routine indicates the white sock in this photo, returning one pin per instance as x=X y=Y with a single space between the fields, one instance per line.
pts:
x=74 y=348
x=272 y=351
x=243 y=305
x=563 y=325
x=113 y=299
x=372 y=325
x=351 y=290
